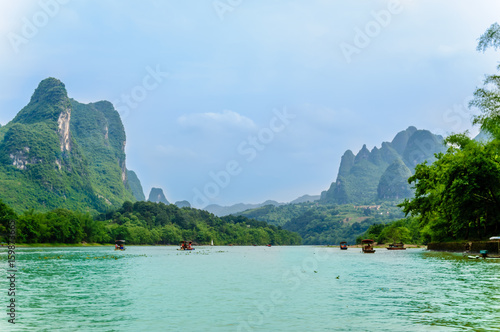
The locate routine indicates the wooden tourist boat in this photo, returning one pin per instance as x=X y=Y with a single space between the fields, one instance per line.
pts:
x=484 y=255
x=396 y=246
x=120 y=245
x=343 y=245
x=186 y=245
x=367 y=246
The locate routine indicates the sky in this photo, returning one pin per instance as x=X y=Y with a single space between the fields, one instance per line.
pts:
x=234 y=101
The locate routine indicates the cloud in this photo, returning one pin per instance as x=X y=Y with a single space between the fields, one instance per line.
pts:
x=216 y=121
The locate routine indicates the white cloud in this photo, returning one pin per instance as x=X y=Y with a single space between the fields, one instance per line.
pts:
x=217 y=121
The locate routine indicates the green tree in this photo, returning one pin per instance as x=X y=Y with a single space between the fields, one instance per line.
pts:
x=6 y=216
x=487 y=98
x=458 y=196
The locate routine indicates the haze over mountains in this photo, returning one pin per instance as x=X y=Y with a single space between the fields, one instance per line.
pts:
x=58 y=152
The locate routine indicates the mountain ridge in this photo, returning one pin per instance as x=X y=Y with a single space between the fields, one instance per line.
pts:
x=359 y=176
x=219 y=210
x=57 y=152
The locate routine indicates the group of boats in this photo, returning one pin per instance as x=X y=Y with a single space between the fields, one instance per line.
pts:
x=367 y=246
x=184 y=245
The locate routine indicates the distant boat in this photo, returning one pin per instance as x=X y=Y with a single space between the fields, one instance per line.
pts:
x=396 y=246
x=186 y=245
x=367 y=246
x=120 y=245
x=343 y=245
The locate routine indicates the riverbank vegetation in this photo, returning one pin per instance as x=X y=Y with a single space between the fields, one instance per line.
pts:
x=141 y=223
x=403 y=230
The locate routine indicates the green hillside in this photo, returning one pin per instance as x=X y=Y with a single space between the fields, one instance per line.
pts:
x=58 y=153
x=378 y=175
x=326 y=223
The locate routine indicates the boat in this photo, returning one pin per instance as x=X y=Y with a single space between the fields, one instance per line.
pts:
x=396 y=246
x=481 y=257
x=120 y=245
x=186 y=245
x=484 y=255
x=367 y=246
x=343 y=245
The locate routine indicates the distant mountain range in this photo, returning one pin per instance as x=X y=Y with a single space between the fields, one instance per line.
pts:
x=156 y=195
x=219 y=210
x=382 y=173
x=369 y=176
x=58 y=152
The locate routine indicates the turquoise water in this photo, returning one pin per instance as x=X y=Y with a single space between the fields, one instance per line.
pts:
x=250 y=289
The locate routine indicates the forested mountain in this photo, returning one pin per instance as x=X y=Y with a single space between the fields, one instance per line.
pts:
x=369 y=186
x=135 y=186
x=58 y=152
x=326 y=223
x=382 y=173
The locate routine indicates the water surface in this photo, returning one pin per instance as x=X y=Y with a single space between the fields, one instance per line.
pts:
x=300 y=288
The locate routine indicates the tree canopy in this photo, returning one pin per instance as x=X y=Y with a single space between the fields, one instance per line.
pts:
x=458 y=196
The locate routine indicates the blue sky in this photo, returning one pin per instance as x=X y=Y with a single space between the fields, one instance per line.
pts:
x=243 y=101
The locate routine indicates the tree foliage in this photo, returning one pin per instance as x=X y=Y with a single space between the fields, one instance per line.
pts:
x=457 y=197
x=404 y=230
x=143 y=223
x=326 y=223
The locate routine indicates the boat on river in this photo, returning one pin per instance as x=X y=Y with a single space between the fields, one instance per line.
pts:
x=367 y=246
x=483 y=254
x=396 y=246
x=120 y=245
x=343 y=245
x=186 y=245
x=481 y=257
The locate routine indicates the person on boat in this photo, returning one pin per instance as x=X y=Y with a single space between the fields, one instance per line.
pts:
x=116 y=245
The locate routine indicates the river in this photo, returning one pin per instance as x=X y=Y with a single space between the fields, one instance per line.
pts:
x=302 y=288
